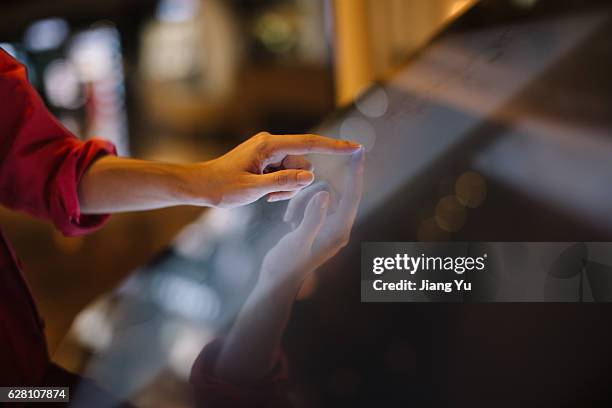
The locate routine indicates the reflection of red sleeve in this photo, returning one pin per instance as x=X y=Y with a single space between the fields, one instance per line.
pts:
x=83 y=391
x=41 y=162
x=213 y=392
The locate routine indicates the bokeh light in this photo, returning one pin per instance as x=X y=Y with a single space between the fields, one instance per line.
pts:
x=430 y=231
x=275 y=32
x=374 y=103
x=62 y=85
x=471 y=189
x=450 y=214
x=93 y=328
x=358 y=130
x=46 y=34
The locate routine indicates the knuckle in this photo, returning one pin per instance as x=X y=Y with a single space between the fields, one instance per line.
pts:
x=263 y=145
x=282 y=179
x=263 y=136
x=259 y=138
x=342 y=241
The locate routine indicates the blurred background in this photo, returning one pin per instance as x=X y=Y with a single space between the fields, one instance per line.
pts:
x=186 y=80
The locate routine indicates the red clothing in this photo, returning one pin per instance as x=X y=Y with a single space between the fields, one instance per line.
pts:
x=40 y=166
x=213 y=392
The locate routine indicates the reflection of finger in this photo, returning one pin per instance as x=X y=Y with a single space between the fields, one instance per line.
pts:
x=282 y=180
x=349 y=203
x=282 y=195
x=295 y=208
x=313 y=218
x=297 y=162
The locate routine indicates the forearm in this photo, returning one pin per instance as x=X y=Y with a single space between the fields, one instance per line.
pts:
x=115 y=184
x=250 y=349
x=237 y=178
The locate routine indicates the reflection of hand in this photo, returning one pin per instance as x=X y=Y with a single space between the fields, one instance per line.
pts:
x=319 y=235
x=264 y=165
x=250 y=349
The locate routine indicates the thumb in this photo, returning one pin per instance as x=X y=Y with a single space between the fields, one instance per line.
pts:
x=314 y=216
x=283 y=180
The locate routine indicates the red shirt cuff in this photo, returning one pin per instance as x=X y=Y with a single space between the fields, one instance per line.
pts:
x=214 y=392
x=64 y=208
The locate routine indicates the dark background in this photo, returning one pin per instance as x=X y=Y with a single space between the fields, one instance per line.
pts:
x=344 y=353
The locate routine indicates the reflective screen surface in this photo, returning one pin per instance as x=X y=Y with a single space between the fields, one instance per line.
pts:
x=525 y=104
x=499 y=129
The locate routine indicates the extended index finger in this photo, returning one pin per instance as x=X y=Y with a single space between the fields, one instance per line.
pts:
x=309 y=143
x=353 y=189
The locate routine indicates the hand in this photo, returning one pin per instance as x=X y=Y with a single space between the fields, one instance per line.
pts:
x=264 y=165
x=320 y=234
x=250 y=349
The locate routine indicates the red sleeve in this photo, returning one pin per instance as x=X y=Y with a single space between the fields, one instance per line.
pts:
x=213 y=392
x=41 y=163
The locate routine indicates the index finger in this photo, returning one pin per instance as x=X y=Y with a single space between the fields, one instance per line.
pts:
x=353 y=189
x=309 y=143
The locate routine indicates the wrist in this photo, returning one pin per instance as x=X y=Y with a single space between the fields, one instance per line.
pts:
x=280 y=283
x=196 y=185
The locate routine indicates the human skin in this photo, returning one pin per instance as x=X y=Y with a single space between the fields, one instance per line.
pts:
x=264 y=165
x=249 y=350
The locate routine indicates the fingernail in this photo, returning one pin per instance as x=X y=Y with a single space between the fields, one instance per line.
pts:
x=355 y=145
x=304 y=177
x=358 y=155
